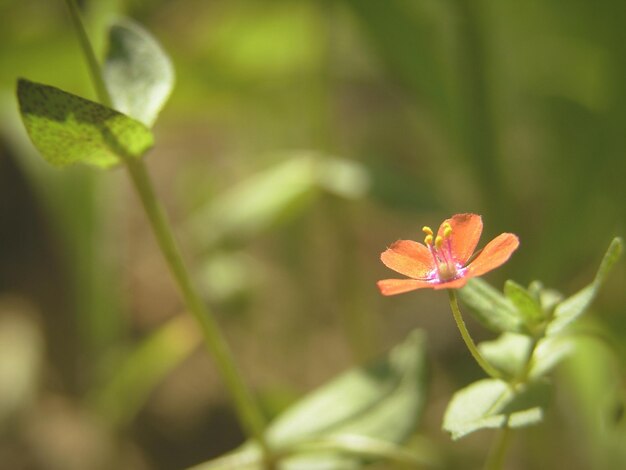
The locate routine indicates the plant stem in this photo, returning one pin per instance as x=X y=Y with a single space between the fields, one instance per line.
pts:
x=94 y=66
x=245 y=405
x=495 y=460
x=469 y=342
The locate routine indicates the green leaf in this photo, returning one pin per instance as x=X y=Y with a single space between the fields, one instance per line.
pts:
x=528 y=308
x=270 y=196
x=508 y=353
x=492 y=403
x=138 y=73
x=547 y=298
x=256 y=203
x=490 y=307
x=120 y=399
x=67 y=129
x=573 y=307
x=550 y=351
x=382 y=401
x=342 y=177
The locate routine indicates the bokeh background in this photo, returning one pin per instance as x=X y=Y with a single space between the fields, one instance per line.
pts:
x=302 y=138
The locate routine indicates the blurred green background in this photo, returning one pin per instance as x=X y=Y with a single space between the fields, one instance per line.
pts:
x=302 y=138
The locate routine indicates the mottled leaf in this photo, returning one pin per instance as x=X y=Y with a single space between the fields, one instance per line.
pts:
x=68 y=129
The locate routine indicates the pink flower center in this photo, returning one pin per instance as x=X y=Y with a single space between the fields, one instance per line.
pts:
x=446 y=267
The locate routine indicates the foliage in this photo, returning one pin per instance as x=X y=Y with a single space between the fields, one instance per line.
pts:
x=300 y=138
x=523 y=359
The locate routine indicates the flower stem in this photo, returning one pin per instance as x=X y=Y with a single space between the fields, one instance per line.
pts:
x=495 y=460
x=245 y=405
x=469 y=342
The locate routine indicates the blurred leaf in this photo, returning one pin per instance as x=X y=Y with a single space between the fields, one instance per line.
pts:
x=68 y=129
x=508 y=353
x=257 y=203
x=264 y=199
x=547 y=298
x=550 y=351
x=492 y=403
x=382 y=401
x=137 y=72
x=526 y=305
x=355 y=446
x=228 y=276
x=342 y=177
x=119 y=400
x=490 y=307
x=593 y=380
x=571 y=308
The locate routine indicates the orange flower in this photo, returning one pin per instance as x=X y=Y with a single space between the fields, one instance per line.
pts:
x=443 y=262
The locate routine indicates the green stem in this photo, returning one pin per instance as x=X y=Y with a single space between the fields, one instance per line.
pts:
x=245 y=405
x=469 y=342
x=94 y=66
x=495 y=460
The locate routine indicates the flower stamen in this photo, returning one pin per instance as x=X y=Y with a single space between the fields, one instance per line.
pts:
x=438 y=242
x=444 y=260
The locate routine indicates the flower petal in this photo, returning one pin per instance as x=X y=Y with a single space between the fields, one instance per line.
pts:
x=466 y=230
x=399 y=286
x=496 y=253
x=409 y=258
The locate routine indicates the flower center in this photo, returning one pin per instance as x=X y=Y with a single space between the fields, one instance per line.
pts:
x=447 y=271
x=445 y=265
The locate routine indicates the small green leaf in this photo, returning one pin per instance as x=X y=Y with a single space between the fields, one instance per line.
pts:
x=138 y=73
x=550 y=351
x=382 y=401
x=492 y=403
x=508 y=353
x=345 y=178
x=526 y=305
x=571 y=308
x=490 y=307
x=67 y=129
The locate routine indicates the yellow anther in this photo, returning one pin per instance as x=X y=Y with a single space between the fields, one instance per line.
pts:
x=438 y=241
x=428 y=240
x=427 y=230
x=447 y=230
